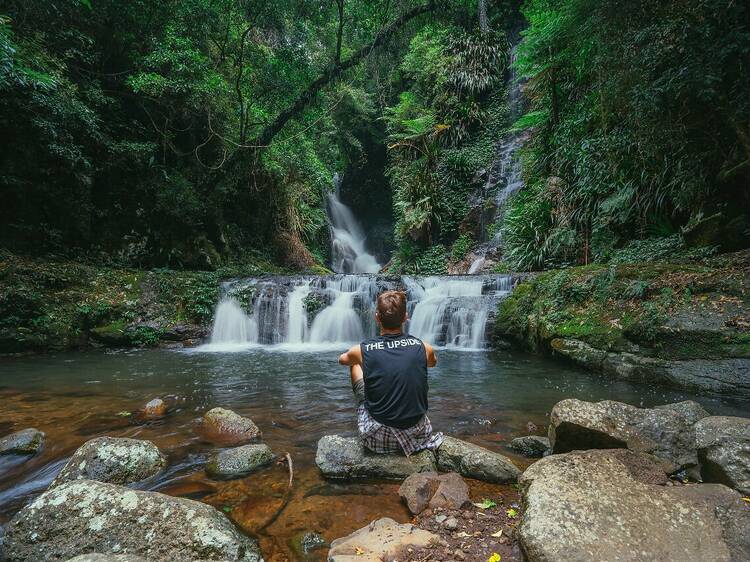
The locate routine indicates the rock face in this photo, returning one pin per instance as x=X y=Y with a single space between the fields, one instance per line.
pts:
x=85 y=515
x=114 y=460
x=664 y=433
x=378 y=541
x=602 y=505
x=227 y=427
x=346 y=457
x=532 y=446
x=429 y=489
x=24 y=442
x=239 y=461
x=474 y=461
x=724 y=451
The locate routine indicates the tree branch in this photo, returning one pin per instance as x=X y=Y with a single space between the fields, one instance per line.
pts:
x=334 y=71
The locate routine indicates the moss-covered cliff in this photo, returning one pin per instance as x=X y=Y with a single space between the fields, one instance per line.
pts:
x=685 y=324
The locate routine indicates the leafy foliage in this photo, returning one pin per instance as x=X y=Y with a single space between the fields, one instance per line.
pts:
x=640 y=114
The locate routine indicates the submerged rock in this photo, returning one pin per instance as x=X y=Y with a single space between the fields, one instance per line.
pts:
x=24 y=442
x=429 y=489
x=531 y=446
x=239 y=461
x=88 y=515
x=724 y=451
x=476 y=462
x=155 y=408
x=379 y=541
x=604 y=505
x=664 y=433
x=116 y=460
x=306 y=543
x=227 y=427
x=346 y=457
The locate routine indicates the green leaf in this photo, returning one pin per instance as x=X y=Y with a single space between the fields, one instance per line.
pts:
x=512 y=513
x=485 y=504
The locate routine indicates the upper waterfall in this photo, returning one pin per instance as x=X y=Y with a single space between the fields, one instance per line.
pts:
x=348 y=253
x=301 y=312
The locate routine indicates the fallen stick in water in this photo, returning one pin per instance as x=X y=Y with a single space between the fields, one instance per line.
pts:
x=287 y=495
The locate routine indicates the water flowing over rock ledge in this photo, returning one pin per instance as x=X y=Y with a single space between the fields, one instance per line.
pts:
x=456 y=311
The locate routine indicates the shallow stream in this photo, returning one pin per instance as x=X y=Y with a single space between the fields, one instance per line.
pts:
x=295 y=397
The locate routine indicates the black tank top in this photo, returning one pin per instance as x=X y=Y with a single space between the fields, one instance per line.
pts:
x=395 y=372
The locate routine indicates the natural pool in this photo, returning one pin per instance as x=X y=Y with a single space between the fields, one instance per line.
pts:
x=295 y=397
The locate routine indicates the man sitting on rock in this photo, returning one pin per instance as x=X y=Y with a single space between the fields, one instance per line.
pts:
x=389 y=379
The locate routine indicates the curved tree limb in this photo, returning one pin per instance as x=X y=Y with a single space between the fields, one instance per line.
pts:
x=334 y=71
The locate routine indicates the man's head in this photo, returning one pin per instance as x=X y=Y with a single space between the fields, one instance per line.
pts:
x=391 y=310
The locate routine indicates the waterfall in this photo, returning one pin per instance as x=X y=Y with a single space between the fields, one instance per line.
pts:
x=348 y=253
x=302 y=312
x=232 y=325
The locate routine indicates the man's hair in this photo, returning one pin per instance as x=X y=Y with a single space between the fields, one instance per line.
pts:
x=392 y=309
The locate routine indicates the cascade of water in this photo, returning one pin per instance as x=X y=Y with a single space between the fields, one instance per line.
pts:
x=348 y=253
x=297 y=323
x=446 y=311
x=232 y=325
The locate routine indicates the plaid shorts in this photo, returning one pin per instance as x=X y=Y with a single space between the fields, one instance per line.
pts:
x=381 y=438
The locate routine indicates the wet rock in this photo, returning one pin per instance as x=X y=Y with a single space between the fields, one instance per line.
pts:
x=89 y=515
x=664 y=433
x=98 y=557
x=305 y=543
x=688 y=409
x=115 y=460
x=588 y=505
x=429 y=489
x=239 y=461
x=378 y=541
x=531 y=446
x=155 y=408
x=183 y=332
x=24 y=442
x=346 y=457
x=227 y=427
x=476 y=462
x=724 y=451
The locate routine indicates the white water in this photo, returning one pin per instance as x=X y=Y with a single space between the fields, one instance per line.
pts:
x=476 y=265
x=445 y=311
x=348 y=253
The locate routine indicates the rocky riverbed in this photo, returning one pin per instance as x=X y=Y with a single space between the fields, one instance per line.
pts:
x=665 y=483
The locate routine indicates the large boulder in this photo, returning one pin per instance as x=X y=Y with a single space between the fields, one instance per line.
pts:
x=346 y=457
x=227 y=427
x=664 y=432
x=611 y=505
x=724 y=451
x=476 y=462
x=688 y=409
x=116 y=460
x=531 y=446
x=430 y=489
x=239 y=461
x=24 y=442
x=378 y=541
x=88 y=516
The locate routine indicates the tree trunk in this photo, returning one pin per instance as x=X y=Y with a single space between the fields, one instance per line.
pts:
x=484 y=24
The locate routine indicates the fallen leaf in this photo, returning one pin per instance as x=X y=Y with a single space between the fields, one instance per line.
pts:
x=485 y=504
x=512 y=513
x=358 y=551
x=462 y=534
x=494 y=558
x=746 y=500
x=498 y=534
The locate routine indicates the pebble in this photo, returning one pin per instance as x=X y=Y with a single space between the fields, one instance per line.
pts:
x=440 y=518
x=467 y=515
x=459 y=554
x=451 y=523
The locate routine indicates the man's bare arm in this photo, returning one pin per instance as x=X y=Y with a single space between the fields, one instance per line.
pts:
x=351 y=357
x=431 y=357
